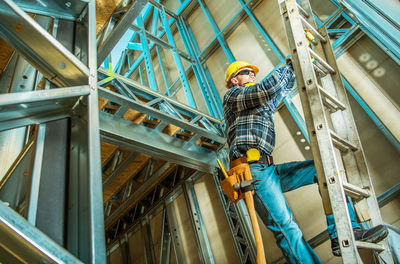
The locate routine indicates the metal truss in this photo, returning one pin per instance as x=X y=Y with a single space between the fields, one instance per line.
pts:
x=56 y=115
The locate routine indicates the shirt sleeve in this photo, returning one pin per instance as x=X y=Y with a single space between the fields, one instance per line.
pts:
x=284 y=79
x=269 y=91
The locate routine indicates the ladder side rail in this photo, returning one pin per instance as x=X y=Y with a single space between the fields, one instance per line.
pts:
x=367 y=208
x=318 y=128
x=353 y=137
x=344 y=125
x=307 y=113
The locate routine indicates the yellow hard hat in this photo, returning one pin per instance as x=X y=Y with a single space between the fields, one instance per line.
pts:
x=234 y=67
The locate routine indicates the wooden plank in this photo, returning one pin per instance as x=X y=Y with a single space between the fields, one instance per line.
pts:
x=5 y=54
x=142 y=194
x=107 y=151
x=104 y=10
x=123 y=178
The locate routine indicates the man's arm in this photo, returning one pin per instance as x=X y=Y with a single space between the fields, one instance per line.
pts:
x=270 y=91
x=284 y=79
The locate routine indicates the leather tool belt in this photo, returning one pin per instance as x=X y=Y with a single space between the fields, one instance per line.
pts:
x=239 y=178
x=263 y=159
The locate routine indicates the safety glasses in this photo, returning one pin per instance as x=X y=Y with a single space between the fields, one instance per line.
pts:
x=244 y=72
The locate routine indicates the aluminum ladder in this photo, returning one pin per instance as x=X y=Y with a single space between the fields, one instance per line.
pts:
x=336 y=147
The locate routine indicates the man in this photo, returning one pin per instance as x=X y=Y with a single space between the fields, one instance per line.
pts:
x=248 y=109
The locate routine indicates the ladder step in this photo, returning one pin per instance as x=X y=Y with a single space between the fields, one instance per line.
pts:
x=312 y=29
x=321 y=61
x=318 y=69
x=355 y=191
x=304 y=12
x=372 y=246
x=332 y=103
x=342 y=144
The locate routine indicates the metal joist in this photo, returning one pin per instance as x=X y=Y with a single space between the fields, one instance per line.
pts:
x=141 y=192
x=38 y=106
x=149 y=141
x=104 y=48
x=64 y=10
x=30 y=244
x=130 y=91
x=379 y=26
x=155 y=113
x=40 y=48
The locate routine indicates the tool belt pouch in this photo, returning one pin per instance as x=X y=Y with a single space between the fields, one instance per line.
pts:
x=236 y=174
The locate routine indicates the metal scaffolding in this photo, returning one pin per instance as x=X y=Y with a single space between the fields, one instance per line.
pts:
x=115 y=126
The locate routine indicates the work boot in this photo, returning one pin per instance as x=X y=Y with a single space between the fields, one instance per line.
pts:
x=372 y=235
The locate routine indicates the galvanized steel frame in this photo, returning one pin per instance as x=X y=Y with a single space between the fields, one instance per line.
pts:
x=65 y=70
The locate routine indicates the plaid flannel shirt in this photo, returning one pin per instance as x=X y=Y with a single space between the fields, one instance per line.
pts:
x=249 y=112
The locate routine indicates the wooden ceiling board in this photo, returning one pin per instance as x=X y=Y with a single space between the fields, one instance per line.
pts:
x=124 y=177
x=142 y=195
x=104 y=10
x=107 y=151
x=5 y=54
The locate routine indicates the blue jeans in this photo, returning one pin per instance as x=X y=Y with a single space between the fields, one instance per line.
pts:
x=273 y=209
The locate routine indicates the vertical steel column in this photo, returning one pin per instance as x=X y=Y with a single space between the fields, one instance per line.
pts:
x=177 y=59
x=124 y=245
x=263 y=32
x=174 y=229
x=210 y=93
x=165 y=248
x=205 y=252
x=51 y=213
x=148 y=241
x=36 y=173
x=239 y=224
x=217 y=32
x=147 y=55
x=96 y=222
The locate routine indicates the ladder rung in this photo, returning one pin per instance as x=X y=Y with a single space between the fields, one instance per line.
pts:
x=318 y=69
x=304 y=12
x=321 y=61
x=313 y=30
x=341 y=143
x=355 y=191
x=336 y=103
x=368 y=245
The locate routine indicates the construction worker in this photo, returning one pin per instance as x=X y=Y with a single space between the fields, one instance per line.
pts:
x=248 y=109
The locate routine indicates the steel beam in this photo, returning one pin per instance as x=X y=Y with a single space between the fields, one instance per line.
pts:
x=168 y=118
x=37 y=106
x=148 y=141
x=28 y=243
x=65 y=10
x=38 y=47
x=119 y=30
x=380 y=27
